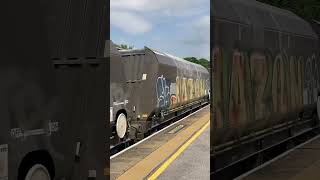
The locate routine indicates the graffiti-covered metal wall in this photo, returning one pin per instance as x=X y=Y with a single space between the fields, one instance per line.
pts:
x=265 y=67
x=179 y=81
x=158 y=81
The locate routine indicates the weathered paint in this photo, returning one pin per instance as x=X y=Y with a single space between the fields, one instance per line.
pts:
x=261 y=85
x=264 y=71
x=180 y=91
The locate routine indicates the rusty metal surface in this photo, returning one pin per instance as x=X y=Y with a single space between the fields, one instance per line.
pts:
x=265 y=67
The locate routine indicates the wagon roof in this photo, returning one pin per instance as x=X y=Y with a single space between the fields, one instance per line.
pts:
x=163 y=58
x=251 y=12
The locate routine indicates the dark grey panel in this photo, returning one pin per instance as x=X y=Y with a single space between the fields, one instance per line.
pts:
x=251 y=12
x=49 y=106
x=77 y=28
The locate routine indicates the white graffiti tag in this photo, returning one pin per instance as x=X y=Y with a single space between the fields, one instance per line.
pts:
x=163 y=91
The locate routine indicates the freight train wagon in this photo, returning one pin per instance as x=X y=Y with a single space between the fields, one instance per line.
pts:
x=53 y=90
x=159 y=86
x=118 y=96
x=265 y=78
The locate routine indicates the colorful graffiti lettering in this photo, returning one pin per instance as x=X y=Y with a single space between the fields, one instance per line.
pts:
x=188 y=89
x=237 y=105
x=183 y=90
x=174 y=99
x=253 y=86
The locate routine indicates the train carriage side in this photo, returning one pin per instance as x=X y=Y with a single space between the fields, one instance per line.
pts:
x=118 y=97
x=180 y=82
x=316 y=27
x=53 y=90
x=265 y=71
x=159 y=85
x=140 y=71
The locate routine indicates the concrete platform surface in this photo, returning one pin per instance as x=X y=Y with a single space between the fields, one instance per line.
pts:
x=193 y=163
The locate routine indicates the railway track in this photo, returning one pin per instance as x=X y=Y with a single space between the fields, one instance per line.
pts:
x=265 y=153
x=123 y=146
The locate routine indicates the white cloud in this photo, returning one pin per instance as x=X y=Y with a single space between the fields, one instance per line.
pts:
x=168 y=7
x=198 y=36
x=185 y=24
x=199 y=31
x=203 y=22
x=135 y=16
x=129 y=22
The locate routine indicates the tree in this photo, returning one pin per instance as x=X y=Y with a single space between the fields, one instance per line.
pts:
x=203 y=62
x=124 y=46
x=192 y=59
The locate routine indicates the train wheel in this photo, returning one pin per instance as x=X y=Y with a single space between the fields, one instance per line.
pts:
x=38 y=172
x=121 y=125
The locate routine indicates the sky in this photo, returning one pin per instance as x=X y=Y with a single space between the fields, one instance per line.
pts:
x=177 y=27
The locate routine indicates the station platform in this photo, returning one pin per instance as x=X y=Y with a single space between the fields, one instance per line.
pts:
x=180 y=151
x=299 y=163
x=193 y=163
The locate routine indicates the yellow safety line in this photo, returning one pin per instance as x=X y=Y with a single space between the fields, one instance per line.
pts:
x=166 y=164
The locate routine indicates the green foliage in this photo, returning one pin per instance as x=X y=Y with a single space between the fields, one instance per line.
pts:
x=204 y=62
x=307 y=9
x=124 y=46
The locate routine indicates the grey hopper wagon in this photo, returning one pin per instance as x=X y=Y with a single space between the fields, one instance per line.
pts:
x=265 y=74
x=118 y=97
x=160 y=85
